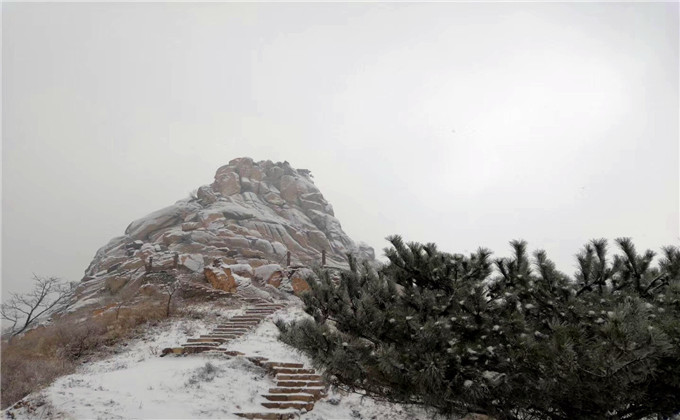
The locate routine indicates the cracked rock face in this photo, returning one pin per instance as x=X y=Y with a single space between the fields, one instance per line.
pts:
x=253 y=213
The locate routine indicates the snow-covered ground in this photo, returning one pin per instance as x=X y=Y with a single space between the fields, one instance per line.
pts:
x=138 y=384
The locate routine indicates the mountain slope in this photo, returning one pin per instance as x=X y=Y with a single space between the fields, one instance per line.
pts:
x=253 y=214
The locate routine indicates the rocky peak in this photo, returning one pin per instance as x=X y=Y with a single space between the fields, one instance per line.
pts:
x=253 y=213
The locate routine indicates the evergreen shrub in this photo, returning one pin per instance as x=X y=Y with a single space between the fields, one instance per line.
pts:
x=512 y=338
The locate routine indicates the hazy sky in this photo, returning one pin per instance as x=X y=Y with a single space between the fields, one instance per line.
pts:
x=462 y=124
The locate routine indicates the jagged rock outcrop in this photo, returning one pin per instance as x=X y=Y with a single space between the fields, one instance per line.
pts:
x=252 y=215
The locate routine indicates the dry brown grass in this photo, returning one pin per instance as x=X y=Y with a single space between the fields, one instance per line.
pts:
x=22 y=375
x=35 y=359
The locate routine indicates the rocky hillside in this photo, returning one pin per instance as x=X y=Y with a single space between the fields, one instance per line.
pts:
x=245 y=222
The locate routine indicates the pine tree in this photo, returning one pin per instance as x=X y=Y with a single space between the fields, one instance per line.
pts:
x=511 y=337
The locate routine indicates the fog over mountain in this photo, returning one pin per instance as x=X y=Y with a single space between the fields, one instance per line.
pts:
x=462 y=124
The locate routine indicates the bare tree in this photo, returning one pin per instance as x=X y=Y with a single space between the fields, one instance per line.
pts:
x=22 y=310
x=170 y=290
x=126 y=295
x=170 y=285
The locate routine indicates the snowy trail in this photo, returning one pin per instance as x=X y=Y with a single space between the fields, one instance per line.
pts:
x=138 y=384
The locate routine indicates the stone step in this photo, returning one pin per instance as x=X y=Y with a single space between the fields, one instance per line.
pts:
x=298 y=405
x=241 y=330
x=316 y=391
x=298 y=377
x=232 y=334
x=296 y=384
x=245 y=328
x=203 y=339
x=289 y=371
x=224 y=337
x=201 y=343
x=268 y=306
x=290 y=397
x=230 y=330
x=284 y=365
x=247 y=320
x=234 y=353
x=272 y=415
x=197 y=349
x=222 y=351
x=234 y=327
x=238 y=324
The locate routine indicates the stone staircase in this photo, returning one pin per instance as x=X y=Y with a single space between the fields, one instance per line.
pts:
x=233 y=328
x=297 y=389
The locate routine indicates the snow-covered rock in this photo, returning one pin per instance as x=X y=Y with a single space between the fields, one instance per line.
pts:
x=193 y=262
x=265 y=273
x=163 y=218
x=252 y=215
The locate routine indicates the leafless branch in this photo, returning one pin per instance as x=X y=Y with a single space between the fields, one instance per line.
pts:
x=22 y=310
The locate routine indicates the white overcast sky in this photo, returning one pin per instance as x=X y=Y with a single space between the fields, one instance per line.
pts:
x=464 y=124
